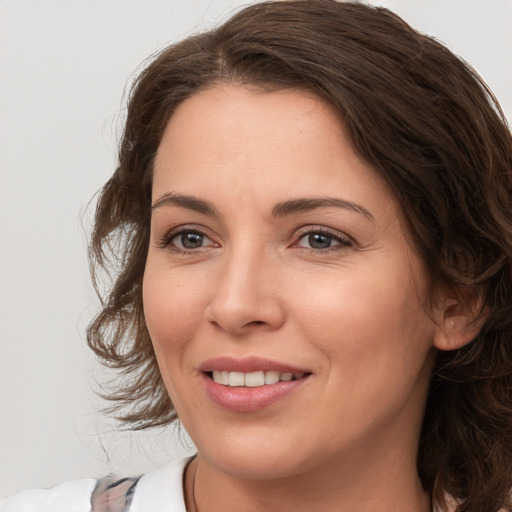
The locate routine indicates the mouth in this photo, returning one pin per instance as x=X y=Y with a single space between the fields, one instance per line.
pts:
x=253 y=379
x=250 y=384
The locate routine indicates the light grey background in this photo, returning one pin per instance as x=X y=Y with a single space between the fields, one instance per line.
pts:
x=63 y=68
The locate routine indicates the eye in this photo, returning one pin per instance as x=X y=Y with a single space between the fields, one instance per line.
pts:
x=322 y=240
x=187 y=240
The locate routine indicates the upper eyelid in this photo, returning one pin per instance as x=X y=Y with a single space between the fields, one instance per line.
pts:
x=317 y=228
x=195 y=228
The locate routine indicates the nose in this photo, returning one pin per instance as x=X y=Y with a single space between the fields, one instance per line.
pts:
x=246 y=295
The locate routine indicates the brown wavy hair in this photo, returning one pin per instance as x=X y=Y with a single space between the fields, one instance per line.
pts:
x=427 y=124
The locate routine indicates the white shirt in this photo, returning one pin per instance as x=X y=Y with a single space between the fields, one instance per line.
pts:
x=160 y=490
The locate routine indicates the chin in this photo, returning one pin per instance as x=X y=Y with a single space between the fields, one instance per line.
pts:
x=259 y=456
x=257 y=467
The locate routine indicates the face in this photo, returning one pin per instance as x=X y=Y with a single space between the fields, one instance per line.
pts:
x=276 y=253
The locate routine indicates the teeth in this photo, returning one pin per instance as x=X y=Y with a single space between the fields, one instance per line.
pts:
x=271 y=377
x=221 y=377
x=236 y=379
x=253 y=379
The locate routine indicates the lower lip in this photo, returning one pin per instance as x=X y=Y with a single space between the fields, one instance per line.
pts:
x=247 y=399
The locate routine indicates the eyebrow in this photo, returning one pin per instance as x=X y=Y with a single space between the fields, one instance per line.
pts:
x=280 y=209
x=189 y=202
x=307 y=204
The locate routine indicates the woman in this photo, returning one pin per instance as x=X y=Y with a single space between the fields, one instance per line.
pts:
x=312 y=222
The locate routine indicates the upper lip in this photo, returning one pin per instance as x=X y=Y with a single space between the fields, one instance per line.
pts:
x=248 y=365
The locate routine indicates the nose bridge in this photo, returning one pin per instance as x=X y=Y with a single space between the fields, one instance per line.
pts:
x=245 y=296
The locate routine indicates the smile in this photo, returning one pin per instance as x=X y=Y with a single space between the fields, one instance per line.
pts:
x=251 y=384
x=253 y=379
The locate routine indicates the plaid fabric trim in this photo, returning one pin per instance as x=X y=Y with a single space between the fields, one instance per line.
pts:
x=112 y=495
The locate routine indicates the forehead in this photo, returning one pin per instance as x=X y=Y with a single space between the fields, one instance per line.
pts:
x=229 y=141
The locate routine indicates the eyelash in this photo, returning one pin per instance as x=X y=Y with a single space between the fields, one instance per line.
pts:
x=167 y=240
x=343 y=242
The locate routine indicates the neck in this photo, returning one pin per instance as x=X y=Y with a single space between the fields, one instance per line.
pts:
x=384 y=483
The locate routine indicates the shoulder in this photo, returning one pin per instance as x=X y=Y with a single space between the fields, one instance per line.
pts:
x=158 y=490
x=72 y=496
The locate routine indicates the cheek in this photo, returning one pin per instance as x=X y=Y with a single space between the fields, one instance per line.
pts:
x=375 y=341
x=172 y=309
x=372 y=319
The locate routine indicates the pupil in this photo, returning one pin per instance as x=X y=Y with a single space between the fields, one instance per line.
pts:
x=191 y=240
x=319 y=241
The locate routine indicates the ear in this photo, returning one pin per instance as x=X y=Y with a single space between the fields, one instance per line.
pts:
x=460 y=314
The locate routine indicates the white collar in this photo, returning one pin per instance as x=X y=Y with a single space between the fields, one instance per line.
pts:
x=161 y=490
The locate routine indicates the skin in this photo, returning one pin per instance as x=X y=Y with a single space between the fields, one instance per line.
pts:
x=354 y=314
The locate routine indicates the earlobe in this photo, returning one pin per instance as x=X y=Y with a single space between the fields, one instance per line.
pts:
x=460 y=320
